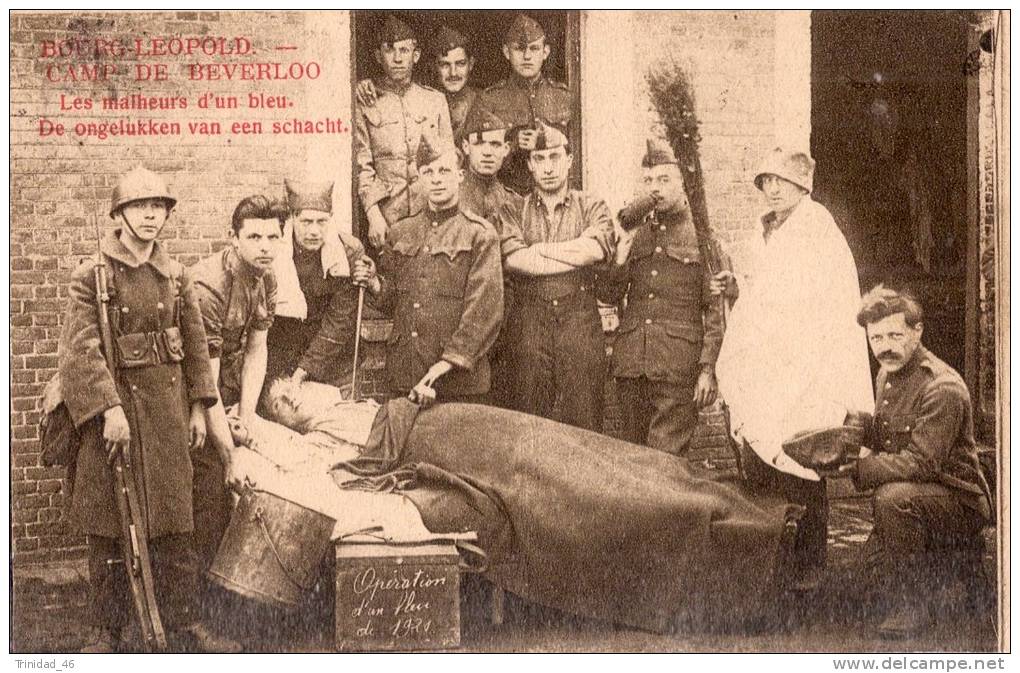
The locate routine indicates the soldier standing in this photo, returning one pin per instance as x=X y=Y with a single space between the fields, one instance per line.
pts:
x=441 y=281
x=525 y=97
x=551 y=245
x=485 y=146
x=387 y=132
x=237 y=294
x=671 y=329
x=151 y=411
x=316 y=304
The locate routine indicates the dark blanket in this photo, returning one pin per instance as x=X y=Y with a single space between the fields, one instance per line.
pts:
x=579 y=521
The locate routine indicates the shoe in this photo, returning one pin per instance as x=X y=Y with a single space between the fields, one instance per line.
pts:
x=201 y=639
x=104 y=642
x=905 y=621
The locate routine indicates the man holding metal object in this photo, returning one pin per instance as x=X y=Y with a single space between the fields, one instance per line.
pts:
x=138 y=402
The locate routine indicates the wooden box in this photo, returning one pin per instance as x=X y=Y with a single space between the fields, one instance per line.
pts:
x=397 y=597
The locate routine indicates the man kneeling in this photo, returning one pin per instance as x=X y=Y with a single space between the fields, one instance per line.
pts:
x=930 y=493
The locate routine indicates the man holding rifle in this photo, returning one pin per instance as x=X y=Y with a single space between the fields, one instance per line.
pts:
x=144 y=418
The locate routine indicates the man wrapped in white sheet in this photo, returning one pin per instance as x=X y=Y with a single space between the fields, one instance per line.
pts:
x=793 y=357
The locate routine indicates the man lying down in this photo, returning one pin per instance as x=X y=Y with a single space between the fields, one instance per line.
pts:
x=569 y=518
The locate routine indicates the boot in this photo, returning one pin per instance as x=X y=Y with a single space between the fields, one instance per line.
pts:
x=198 y=638
x=102 y=642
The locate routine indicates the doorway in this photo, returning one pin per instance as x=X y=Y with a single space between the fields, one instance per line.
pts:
x=889 y=130
x=484 y=30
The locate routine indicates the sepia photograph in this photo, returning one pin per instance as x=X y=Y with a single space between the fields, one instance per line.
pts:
x=510 y=330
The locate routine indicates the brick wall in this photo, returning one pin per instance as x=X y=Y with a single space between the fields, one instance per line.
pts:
x=58 y=183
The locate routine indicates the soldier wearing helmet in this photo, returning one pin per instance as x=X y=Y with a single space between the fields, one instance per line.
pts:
x=151 y=410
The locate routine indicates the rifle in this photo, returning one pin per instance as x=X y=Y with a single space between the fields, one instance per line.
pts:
x=134 y=534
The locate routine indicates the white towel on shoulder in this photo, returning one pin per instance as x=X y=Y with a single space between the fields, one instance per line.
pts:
x=290 y=300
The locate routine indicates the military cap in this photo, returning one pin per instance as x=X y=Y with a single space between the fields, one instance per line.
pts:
x=549 y=136
x=309 y=196
x=791 y=165
x=446 y=40
x=481 y=120
x=657 y=153
x=523 y=30
x=394 y=30
x=430 y=149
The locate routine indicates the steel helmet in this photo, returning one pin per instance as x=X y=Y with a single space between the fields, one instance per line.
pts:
x=137 y=184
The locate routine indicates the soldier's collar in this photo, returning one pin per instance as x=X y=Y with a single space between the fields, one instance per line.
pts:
x=522 y=83
x=114 y=249
x=568 y=194
x=387 y=84
x=443 y=214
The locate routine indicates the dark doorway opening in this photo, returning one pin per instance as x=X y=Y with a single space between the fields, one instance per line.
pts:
x=484 y=29
x=889 y=130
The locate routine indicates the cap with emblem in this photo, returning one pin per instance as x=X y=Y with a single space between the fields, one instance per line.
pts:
x=791 y=165
x=657 y=153
x=549 y=136
x=523 y=30
x=430 y=149
x=480 y=120
x=446 y=40
x=138 y=184
x=394 y=30
x=309 y=196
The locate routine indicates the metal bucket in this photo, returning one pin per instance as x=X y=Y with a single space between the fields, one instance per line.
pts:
x=272 y=550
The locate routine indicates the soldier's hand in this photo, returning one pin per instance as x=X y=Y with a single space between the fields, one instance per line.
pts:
x=196 y=426
x=233 y=477
x=706 y=389
x=527 y=139
x=364 y=274
x=720 y=283
x=365 y=93
x=623 y=247
x=377 y=228
x=299 y=375
x=116 y=433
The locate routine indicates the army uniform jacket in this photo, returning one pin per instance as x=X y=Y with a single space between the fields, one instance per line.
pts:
x=163 y=366
x=924 y=432
x=671 y=323
x=442 y=283
x=460 y=103
x=235 y=300
x=519 y=104
x=386 y=137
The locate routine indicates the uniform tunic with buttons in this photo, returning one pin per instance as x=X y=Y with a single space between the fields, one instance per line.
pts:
x=442 y=282
x=554 y=335
x=386 y=137
x=670 y=327
x=924 y=432
x=520 y=103
x=162 y=371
